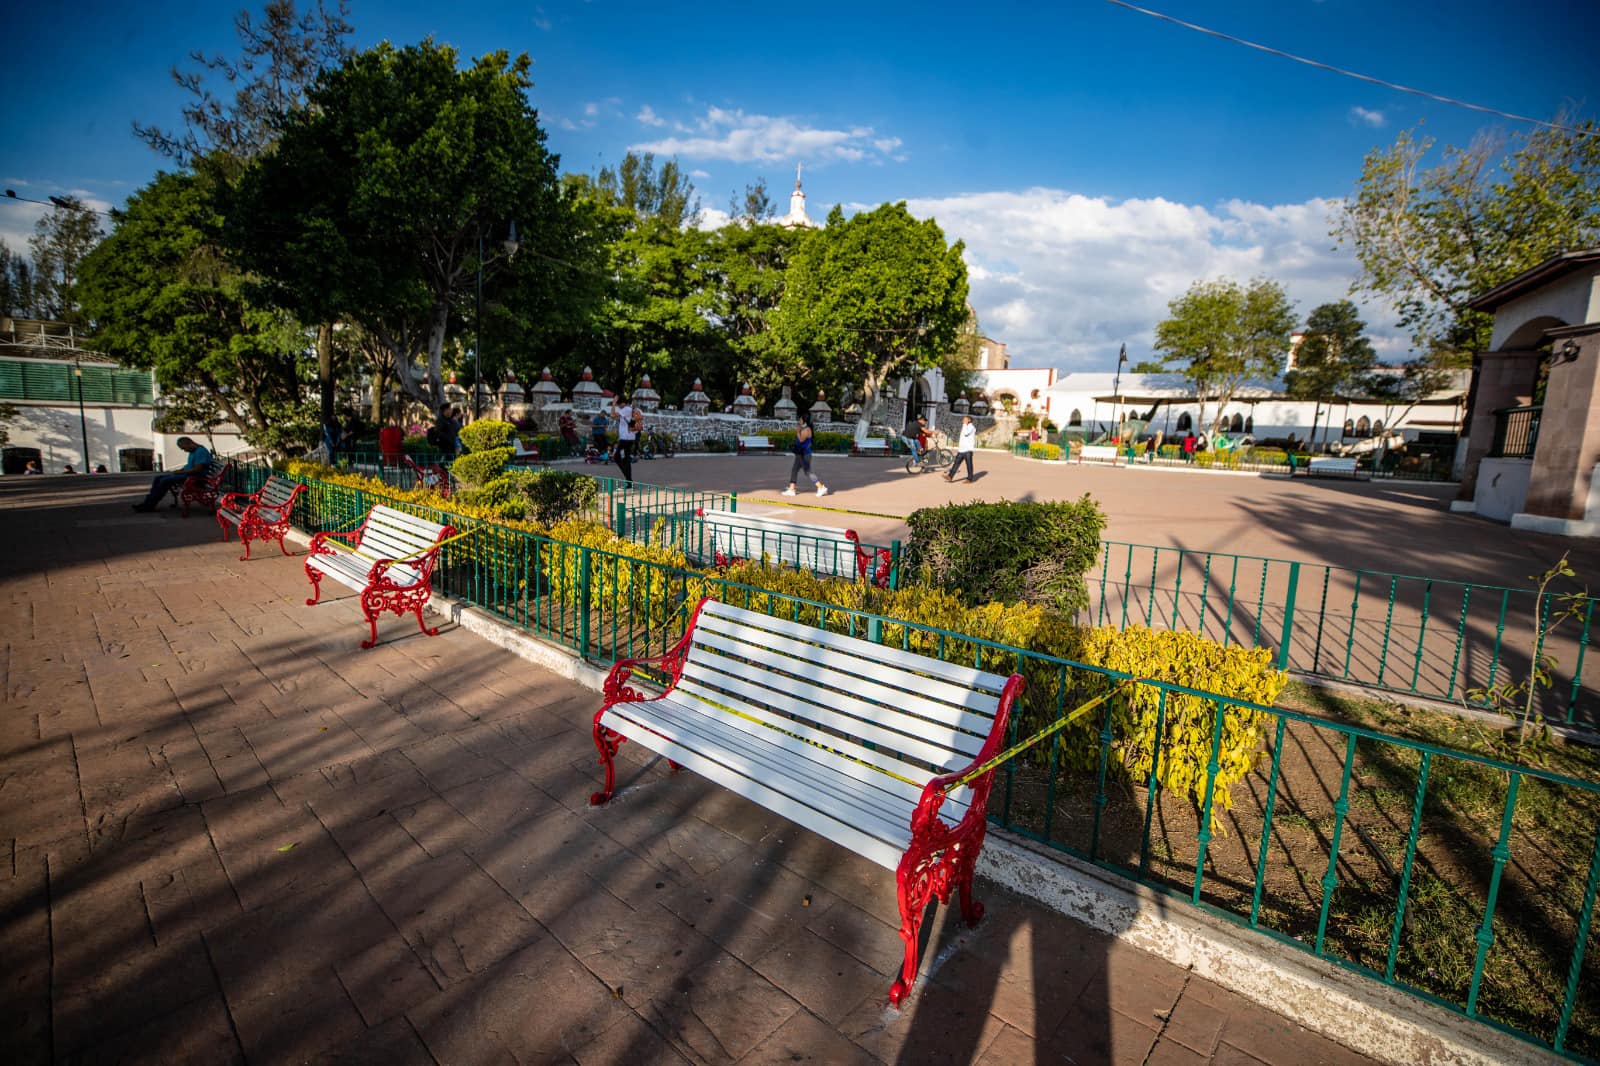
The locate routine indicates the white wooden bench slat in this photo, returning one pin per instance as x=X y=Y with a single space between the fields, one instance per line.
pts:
x=816 y=683
x=953 y=673
x=741 y=689
x=389 y=534
x=403 y=524
x=862 y=834
x=750 y=521
x=949 y=704
x=823 y=549
x=873 y=444
x=778 y=755
x=748 y=443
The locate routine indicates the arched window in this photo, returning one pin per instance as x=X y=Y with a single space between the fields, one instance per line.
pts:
x=1237 y=425
x=1377 y=428
x=1363 y=427
x=1185 y=423
x=1076 y=419
x=1349 y=428
x=1250 y=424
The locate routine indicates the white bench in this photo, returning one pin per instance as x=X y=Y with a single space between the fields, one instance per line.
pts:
x=390 y=560
x=853 y=740
x=1104 y=453
x=725 y=537
x=1322 y=466
x=521 y=456
x=754 y=444
x=262 y=515
x=871 y=446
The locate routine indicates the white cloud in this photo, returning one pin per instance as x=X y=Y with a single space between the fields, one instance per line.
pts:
x=591 y=109
x=541 y=20
x=1363 y=116
x=1064 y=278
x=712 y=218
x=733 y=135
x=648 y=116
x=697 y=173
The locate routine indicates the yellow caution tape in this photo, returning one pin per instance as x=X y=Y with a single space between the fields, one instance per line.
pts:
x=1054 y=727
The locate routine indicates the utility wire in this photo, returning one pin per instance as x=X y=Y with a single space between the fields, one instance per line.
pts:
x=1353 y=74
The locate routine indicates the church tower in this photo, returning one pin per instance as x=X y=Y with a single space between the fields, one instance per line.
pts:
x=797 y=218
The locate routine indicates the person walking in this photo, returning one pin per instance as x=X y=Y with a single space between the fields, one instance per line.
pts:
x=964 y=449
x=802 y=459
x=628 y=426
x=199 y=460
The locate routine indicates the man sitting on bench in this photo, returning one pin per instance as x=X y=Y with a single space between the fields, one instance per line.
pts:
x=199 y=460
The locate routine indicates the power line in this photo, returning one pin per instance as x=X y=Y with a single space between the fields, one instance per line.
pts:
x=1352 y=74
x=61 y=202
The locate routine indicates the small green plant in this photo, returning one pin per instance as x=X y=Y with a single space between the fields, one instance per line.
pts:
x=1517 y=698
x=480 y=467
x=486 y=433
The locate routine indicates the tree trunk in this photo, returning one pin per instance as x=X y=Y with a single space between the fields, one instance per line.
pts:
x=380 y=385
x=436 y=330
x=325 y=371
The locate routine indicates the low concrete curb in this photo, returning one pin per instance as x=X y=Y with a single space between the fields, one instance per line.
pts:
x=1359 y=1013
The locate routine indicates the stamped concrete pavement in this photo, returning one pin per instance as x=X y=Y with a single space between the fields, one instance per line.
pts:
x=228 y=834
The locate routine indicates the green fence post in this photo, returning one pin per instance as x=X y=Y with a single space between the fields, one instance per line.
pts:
x=733 y=502
x=583 y=603
x=894 y=565
x=1288 y=617
x=621 y=527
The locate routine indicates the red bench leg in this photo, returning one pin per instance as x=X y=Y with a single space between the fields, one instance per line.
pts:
x=221 y=522
x=607 y=741
x=316 y=584
x=244 y=535
x=371 y=607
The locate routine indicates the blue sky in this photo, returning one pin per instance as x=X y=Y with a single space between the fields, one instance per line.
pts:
x=1095 y=160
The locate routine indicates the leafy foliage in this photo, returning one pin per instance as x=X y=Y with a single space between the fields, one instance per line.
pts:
x=479 y=468
x=61 y=239
x=1334 y=356
x=1008 y=552
x=546 y=497
x=486 y=433
x=1431 y=240
x=1221 y=334
x=165 y=298
x=872 y=297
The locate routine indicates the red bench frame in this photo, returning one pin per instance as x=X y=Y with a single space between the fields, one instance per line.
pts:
x=258 y=521
x=203 y=488
x=381 y=594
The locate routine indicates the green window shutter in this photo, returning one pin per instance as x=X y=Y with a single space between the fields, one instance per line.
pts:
x=134 y=386
x=97 y=384
x=47 y=381
x=10 y=380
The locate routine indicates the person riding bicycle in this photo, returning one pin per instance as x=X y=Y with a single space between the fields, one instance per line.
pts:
x=917 y=439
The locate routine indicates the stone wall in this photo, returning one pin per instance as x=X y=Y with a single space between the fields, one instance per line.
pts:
x=688 y=430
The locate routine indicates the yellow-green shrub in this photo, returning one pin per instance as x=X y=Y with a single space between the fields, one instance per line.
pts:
x=1038 y=450
x=655 y=592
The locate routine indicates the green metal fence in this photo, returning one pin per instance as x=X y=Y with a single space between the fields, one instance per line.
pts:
x=1461 y=879
x=1402 y=633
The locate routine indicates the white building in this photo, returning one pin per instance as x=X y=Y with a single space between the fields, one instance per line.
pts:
x=1093 y=403
x=797 y=217
x=1025 y=389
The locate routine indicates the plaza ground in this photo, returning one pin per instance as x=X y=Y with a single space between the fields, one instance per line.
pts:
x=1390 y=526
x=227 y=834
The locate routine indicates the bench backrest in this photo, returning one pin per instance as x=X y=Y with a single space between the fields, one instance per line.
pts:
x=391 y=534
x=277 y=493
x=875 y=442
x=883 y=708
x=212 y=474
x=818 y=548
x=754 y=442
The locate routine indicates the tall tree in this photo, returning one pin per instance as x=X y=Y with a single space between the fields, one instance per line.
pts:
x=16 y=283
x=1429 y=240
x=1221 y=334
x=873 y=297
x=666 y=195
x=754 y=207
x=1334 y=356
x=393 y=188
x=60 y=241
x=163 y=297
x=746 y=268
x=281 y=53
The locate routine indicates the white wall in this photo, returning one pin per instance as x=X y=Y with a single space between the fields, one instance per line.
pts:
x=58 y=434
x=1502 y=488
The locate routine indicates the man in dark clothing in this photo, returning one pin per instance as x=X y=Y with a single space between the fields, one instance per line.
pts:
x=199 y=460
x=447 y=428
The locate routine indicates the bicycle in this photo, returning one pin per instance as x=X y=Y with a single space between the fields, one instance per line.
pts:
x=931 y=458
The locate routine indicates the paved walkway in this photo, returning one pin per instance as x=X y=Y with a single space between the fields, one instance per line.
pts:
x=228 y=834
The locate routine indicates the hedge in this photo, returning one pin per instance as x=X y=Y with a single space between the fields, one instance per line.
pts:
x=1008 y=552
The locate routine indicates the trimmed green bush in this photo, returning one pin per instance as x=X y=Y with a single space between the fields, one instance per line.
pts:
x=486 y=434
x=480 y=467
x=543 y=496
x=1040 y=450
x=1008 y=552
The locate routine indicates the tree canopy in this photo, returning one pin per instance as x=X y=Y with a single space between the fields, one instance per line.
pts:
x=1334 y=357
x=60 y=241
x=164 y=298
x=871 y=297
x=1430 y=240
x=387 y=194
x=1221 y=334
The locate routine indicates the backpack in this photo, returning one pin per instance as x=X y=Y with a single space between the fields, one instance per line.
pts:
x=433 y=437
x=636 y=424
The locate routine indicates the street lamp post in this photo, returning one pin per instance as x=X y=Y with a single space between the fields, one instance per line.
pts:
x=83 y=421
x=1116 y=392
x=510 y=246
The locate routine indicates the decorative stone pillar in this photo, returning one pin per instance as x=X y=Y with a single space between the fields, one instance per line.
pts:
x=513 y=404
x=960 y=406
x=820 y=411
x=852 y=413
x=454 y=393
x=586 y=394
x=980 y=406
x=1568 y=449
x=545 y=391
x=785 y=410
x=744 y=405
x=484 y=404
x=1500 y=379
x=696 y=402
x=644 y=397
